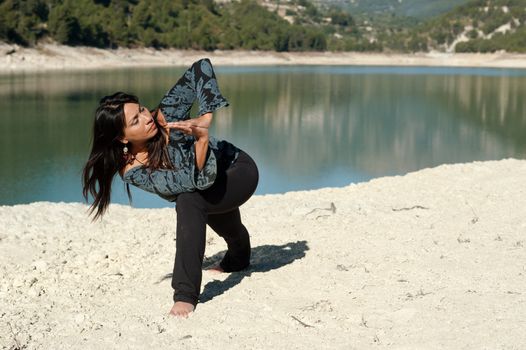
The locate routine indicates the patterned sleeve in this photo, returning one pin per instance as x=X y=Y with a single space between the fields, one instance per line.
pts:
x=197 y=83
x=186 y=178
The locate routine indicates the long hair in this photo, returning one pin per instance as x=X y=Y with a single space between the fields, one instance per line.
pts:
x=107 y=156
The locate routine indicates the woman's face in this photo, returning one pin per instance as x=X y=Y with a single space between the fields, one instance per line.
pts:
x=139 y=124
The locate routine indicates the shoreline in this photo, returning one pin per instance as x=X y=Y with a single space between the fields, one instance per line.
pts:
x=422 y=260
x=52 y=57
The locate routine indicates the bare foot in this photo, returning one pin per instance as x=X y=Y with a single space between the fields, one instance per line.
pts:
x=181 y=309
x=215 y=269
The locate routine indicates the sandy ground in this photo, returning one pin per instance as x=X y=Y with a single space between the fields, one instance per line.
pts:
x=15 y=59
x=434 y=259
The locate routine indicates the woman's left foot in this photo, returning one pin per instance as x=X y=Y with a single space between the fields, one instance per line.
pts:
x=182 y=309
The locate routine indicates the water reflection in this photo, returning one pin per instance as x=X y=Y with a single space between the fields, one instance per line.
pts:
x=307 y=127
x=377 y=124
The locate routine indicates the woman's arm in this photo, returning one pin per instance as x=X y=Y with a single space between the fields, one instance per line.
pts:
x=201 y=143
x=198 y=128
x=201 y=147
x=203 y=121
x=197 y=83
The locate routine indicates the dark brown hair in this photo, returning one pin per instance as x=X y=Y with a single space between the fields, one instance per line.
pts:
x=107 y=157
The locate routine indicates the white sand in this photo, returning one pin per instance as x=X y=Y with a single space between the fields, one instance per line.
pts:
x=435 y=259
x=46 y=57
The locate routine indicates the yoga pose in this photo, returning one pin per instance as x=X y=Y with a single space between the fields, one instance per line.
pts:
x=170 y=154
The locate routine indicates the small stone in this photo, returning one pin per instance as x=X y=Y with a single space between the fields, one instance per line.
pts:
x=33 y=281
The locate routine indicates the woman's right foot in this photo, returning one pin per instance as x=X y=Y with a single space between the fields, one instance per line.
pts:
x=182 y=309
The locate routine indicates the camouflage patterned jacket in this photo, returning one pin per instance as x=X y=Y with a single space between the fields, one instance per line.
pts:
x=197 y=83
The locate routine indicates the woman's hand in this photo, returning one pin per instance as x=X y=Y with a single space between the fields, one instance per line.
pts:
x=189 y=127
x=201 y=135
x=203 y=121
x=197 y=127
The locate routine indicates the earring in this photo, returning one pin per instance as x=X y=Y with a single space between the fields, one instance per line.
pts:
x=125 y=150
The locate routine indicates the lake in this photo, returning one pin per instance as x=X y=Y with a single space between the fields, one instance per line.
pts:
x=307 y=127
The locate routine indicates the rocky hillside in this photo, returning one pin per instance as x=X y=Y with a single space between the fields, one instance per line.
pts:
x=479 y=26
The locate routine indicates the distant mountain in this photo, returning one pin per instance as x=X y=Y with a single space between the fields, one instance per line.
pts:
x=478 y=26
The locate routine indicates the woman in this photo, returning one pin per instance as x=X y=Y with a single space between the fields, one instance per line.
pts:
x=167 y=153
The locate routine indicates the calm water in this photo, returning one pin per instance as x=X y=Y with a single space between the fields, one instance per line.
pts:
x=306 y=127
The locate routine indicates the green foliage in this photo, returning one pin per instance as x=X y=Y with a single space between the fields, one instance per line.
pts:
x=22 y=21
x=494 y=19
x=245 y=24
x=473 y=34
x=515 y=42
x=187 y=24
x=86 y=22
x=65 y=28
x=289 y=12
x=352 y=43
x=416 y=44
x=249 y=26
x=341 y=18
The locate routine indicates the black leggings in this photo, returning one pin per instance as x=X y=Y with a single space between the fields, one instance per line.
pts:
x=217 y=206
